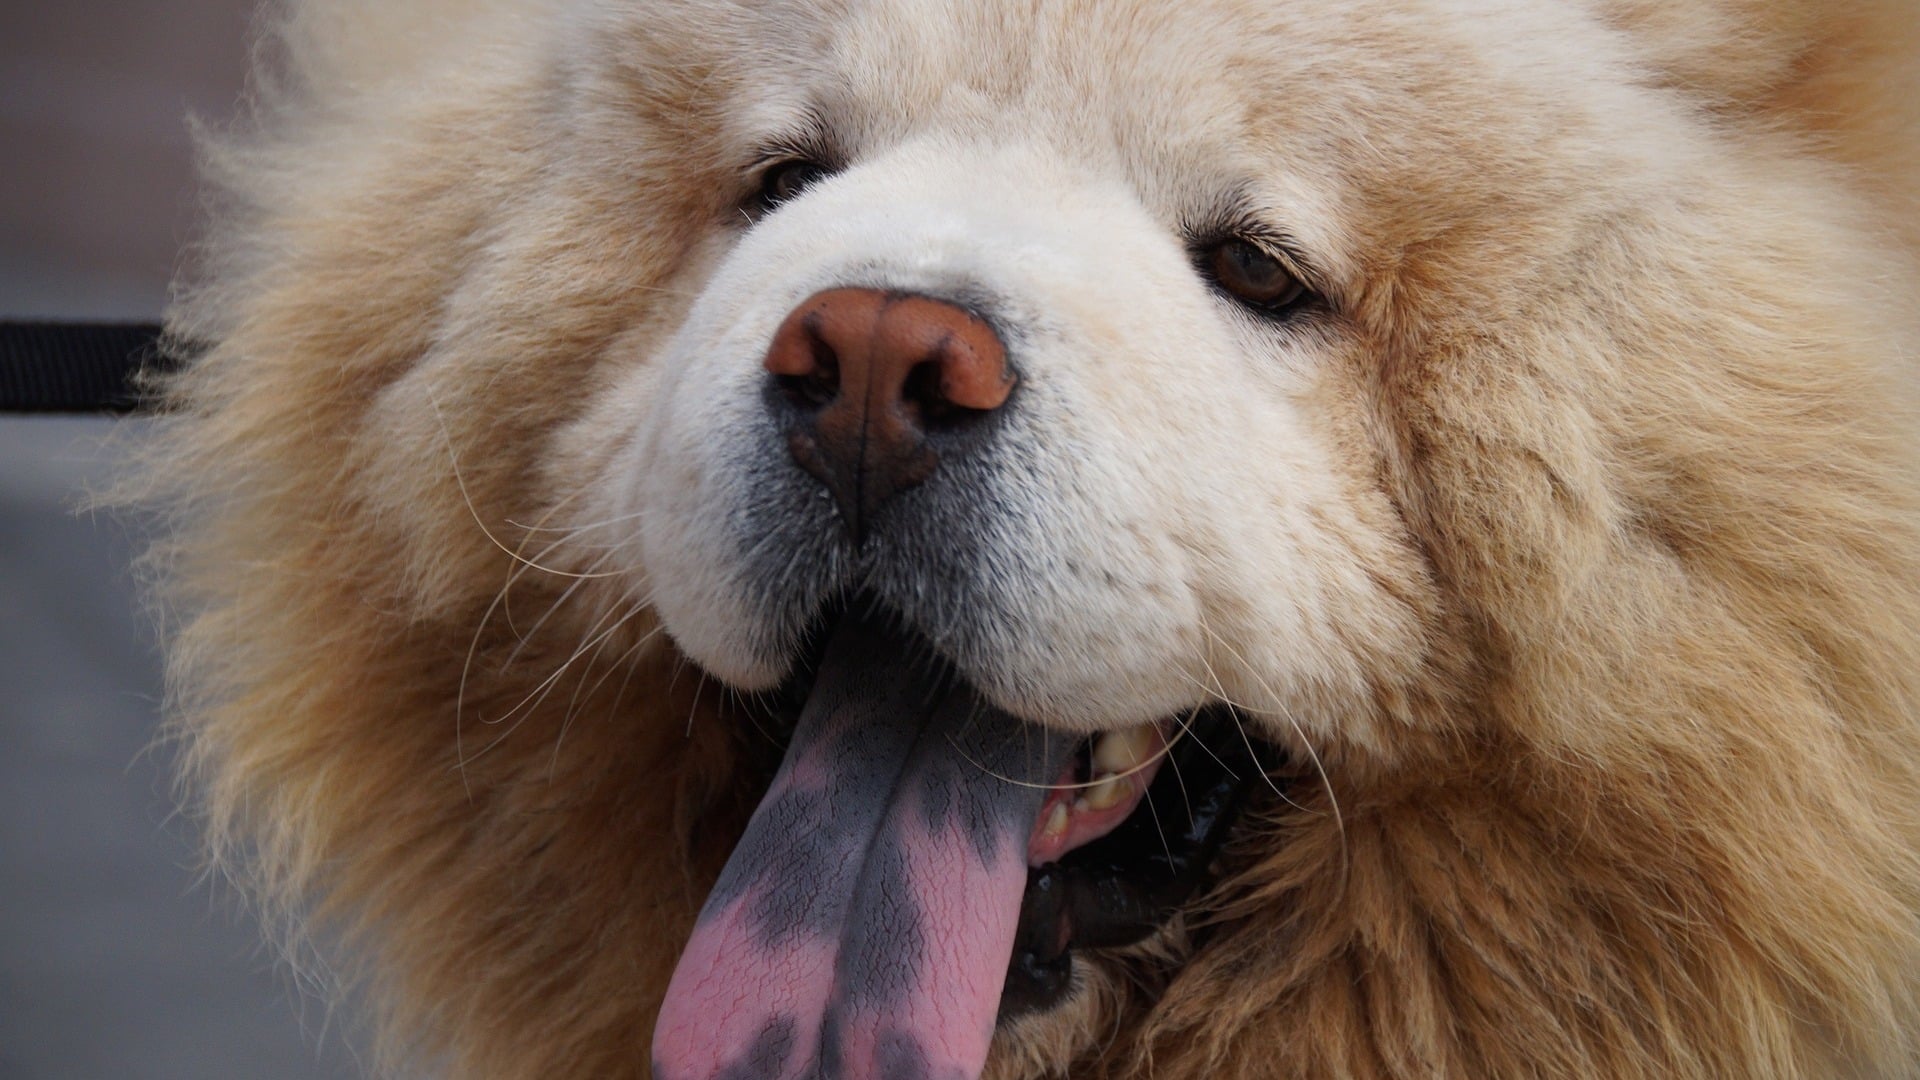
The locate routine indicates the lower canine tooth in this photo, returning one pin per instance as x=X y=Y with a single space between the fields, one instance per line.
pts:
x=1105 y=794
x=1056 y=820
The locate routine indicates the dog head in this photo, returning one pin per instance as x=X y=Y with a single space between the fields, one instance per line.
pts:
x=996 y=403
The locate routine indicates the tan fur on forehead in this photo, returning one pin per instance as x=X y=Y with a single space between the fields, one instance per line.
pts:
x=1642 y=802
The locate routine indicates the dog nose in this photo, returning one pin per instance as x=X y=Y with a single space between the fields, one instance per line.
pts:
x=868 y=376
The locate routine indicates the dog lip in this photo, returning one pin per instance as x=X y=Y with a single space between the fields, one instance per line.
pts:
x=1121 y=888
x=1090 y=801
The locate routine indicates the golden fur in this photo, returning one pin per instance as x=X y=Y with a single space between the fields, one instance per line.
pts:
x=1642 y=799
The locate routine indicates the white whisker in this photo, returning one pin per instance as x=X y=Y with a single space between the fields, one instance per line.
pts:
x=1326 y=782
x=576 y=528
x=460 y=697
x=461 y=482
x=619 y=662
x=539 y=694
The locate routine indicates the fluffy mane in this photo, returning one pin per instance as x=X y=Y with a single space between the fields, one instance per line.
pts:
x=1653 y=812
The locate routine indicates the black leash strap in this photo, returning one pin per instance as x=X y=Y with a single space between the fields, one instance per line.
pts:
x=74 y=367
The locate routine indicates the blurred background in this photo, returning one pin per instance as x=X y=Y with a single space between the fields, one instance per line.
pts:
x=117 y=958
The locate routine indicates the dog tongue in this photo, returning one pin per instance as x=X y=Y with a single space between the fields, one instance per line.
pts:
x=862 y=928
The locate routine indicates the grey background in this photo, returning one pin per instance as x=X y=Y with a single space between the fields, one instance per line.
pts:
x=117 y=959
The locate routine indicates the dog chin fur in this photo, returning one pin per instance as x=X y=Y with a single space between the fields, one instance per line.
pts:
x=1572 y=546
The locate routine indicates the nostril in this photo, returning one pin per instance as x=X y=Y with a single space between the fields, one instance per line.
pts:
x=817 y=388
x=865 y=382
x=826 y=364
x=925 y=394
x=814 y=382
x=807 y=392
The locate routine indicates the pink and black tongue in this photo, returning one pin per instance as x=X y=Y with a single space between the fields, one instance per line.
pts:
x=862 y=928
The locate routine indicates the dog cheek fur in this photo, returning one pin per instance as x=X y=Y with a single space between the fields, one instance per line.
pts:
x=1687 y=696
x=324 y=563
x=1664 y=827
x=1679 y=519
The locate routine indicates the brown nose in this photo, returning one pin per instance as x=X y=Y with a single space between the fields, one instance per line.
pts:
x=869 y=375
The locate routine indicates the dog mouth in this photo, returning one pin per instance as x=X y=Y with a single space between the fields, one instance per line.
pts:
x=1144 y=860
x=924 y=866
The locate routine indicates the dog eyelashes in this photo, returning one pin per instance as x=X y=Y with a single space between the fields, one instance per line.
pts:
x=786 y=179
x=1237 y=249
x=1253 y=275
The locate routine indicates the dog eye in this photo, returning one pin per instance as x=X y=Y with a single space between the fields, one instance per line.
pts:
x=1253 y=276
x=785 y=179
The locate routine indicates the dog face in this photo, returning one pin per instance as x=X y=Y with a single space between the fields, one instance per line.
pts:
x=1067 y=341
x=1049 y=352
x=1155 y=494
x=998 y=401
x=1181 y=501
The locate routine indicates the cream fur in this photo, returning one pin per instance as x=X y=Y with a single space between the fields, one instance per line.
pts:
x=1574 y=550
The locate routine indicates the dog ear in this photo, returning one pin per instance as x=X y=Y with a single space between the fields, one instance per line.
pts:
x=1846 y=75
x=1735 y=53
x=362 y=44
x=1779 y=55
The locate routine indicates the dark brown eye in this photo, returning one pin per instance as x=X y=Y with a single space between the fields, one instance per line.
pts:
x=786 y=179
x=1253 y=276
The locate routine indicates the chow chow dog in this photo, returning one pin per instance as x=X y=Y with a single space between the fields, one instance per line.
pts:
x=1125 y=538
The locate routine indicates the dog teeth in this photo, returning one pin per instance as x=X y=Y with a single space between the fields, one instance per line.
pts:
x=1118 y=751
x=1056 y=820
x=1106 y=794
